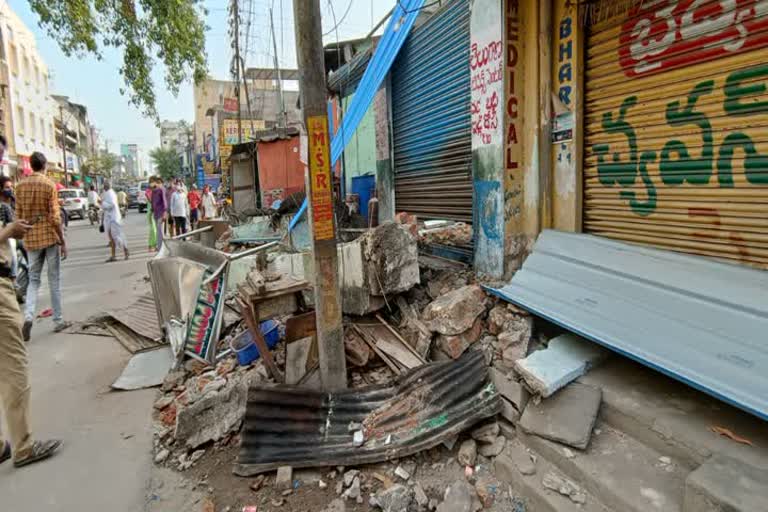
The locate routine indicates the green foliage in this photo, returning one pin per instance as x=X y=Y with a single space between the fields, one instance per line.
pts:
x=167 y=163
x=101 y=163
x=171 y=31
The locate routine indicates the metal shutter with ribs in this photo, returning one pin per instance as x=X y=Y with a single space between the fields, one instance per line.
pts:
x=676 y=140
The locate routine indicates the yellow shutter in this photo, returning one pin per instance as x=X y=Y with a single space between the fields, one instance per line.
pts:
x=676 y=141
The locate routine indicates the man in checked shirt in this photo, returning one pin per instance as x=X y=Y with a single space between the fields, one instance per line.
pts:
x=37 y=201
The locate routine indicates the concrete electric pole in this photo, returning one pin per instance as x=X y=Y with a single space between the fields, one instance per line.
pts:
x=309 y=50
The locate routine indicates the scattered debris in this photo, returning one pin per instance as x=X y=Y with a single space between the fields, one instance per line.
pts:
x=337 y=505
x=455 y=345
x=459 y=497
x=145 y=370
x=162 y=456
x=730 y=435
x=493 y=449
x=353 y=491
x=514 y=456
x=486 y=489
x=421 y=497
x=565 y=487
x=486 y=433
x=284 y=478
x=456 y=311
x=567 y=417
x=566 y=358
x=257 y=483
x=510 y=390
x=393 y=499
x=467 y=453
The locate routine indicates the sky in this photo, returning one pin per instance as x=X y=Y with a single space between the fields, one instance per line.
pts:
x=96 y=84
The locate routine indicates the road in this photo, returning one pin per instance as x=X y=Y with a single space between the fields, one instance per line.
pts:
x=105 y=463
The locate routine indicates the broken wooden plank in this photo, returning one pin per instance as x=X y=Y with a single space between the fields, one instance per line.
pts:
x=296 y=356
x=253 y=326
x=402 y=356
x=300 y=326
x=382 y=355
x=401 y=339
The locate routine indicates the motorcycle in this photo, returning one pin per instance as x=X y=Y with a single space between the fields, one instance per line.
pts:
x=93 y=215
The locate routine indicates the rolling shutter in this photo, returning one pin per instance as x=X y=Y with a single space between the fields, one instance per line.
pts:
x=431 y=118
x=676 y=141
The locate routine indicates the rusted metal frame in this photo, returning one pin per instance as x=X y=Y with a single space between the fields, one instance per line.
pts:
x=249 y=315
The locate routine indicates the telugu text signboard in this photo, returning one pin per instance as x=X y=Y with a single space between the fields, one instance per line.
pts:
x=249 y=127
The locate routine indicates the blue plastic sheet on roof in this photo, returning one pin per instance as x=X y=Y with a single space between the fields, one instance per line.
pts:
x=398 y=28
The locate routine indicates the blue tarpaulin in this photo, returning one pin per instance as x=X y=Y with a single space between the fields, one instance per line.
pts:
x=398 y=28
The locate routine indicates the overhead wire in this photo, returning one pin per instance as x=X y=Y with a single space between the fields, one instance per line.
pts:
x=408 y=11
x=336 y=24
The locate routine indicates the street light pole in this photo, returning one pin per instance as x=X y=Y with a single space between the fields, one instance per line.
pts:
x=309 y=49
x=64 y=145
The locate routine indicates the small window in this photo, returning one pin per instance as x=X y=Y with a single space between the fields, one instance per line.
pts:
x=32 y=126
x=21 y=120
x=14 y=57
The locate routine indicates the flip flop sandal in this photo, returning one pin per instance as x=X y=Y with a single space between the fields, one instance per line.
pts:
x=111 y=260
x=40 y=450
x=6 y=452
x=62 y=326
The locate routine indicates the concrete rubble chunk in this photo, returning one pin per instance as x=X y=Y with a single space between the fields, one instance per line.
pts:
x=493 y=449
x=723 y=484
x=486 y=489
x=566 y=358
x=353 y=492
x=164 y=401
x=172 y=380
x=502 y=317
x=392 y=257
x=337 y=505
x=507 y=429
x=456 y=311
x=162 y=455
x=421 y=497
x=350 y=476
x=394 y=499
x=455 y=345
x=509 y=413
x=214 y=415
x=459 y=497
x=518 y=457
x=567 y=417
x=486 y=433
x=467 y=453
x=554 y=482
x=402 y=473
x=284 y=478
x=516 y=332
x=509 y=389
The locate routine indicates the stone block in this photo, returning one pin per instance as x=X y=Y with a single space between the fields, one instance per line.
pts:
x=493 y=449
x=457 y=344
x=508 y=412
x=284 y=478
x=511 y=390
x=467 y=453
x=486 y=433
x=567 y=417
x=565 y=359
x=392 y=259
x=723 y=484
x=456 y=311
x=212 y=416
x=514 y=459
x=459 y=497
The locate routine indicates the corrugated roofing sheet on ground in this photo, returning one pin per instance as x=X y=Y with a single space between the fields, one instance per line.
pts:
x=697 y=320
x=140 y=317
x=303 y=427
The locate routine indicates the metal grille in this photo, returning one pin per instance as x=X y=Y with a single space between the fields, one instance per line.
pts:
x=431 y=118
x=677 y=128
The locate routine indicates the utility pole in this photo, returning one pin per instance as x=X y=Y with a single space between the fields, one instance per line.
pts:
x=235 y=8
x=64 y=145
x=309 y=50
x=281 y=120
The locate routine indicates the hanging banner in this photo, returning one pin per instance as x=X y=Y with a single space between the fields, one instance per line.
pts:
x=320 y=178
x=230 y=105
x=229 y=130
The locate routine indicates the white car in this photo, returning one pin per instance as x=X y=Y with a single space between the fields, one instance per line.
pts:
x=74 y=202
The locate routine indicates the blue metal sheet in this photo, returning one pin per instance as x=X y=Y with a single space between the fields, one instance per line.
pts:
x=400 y=23
x=697 y=320
x=431 y=118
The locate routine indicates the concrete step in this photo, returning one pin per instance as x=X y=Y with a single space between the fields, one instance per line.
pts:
x=673 y=418
x=530 y=487
x=621 y=472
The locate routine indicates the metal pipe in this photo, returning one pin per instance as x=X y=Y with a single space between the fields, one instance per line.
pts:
x=253 y=250
x=190 y=233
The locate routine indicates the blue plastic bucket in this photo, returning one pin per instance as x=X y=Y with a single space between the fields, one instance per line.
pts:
x=245 y=347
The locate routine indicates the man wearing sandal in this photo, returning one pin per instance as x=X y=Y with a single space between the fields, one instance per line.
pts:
x=14 y=379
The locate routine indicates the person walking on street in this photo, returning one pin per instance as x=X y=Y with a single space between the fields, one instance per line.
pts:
x=14 y=375
x=208 y=203
x=122 y=201
x=159 y=209
x=194 y=205
x=179 y=210
x=113 y=222
x=169 y=190
x=7 y=201
x=38 y=202
x=152 y=235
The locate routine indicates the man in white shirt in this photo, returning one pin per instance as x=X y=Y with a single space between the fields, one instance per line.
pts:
x=179 y=209
x=93 y=197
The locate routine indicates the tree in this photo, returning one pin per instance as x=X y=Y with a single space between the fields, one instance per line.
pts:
x=166 y=162
x=174 y=31
x=101 y=163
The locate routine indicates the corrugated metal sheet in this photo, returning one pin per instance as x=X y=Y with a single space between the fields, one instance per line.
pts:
x=699 y=321
x=303 y=427
x=676 y=140
x=346 y=79
x=281 y=172
x=431 y=118
x=140 y=317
